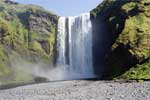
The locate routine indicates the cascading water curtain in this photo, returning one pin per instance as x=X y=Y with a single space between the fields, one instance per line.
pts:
x=74 y=46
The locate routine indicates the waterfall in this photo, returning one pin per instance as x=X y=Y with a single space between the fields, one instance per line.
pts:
x=74 y=46
x=61 y=35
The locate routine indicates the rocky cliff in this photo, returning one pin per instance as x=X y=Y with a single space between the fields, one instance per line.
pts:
x=121 y=39
x=27 y=35
x=127 y=28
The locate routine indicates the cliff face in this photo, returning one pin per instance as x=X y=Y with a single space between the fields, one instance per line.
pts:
x=27 y=33
x=128 y=22
x=121 y=39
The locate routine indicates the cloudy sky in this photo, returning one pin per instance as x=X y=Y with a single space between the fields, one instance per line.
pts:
x=64 y=7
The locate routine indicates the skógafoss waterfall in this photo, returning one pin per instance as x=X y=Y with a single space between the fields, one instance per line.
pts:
x=74 y=47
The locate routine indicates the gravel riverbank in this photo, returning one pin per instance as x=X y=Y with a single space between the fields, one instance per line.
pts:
x=79 y=90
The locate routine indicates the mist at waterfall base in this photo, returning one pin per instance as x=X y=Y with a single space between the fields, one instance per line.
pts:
x=74 y=52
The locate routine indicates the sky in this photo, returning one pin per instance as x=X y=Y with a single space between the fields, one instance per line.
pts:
x=64 y=7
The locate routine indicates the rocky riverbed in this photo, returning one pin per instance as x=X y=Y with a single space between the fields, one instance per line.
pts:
x=79 y=90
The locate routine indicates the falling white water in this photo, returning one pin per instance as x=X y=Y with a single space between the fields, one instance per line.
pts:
x=61 y=40
x=74 y=46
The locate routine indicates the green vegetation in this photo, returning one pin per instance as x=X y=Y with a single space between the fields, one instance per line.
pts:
x=129 y=25
x=139 y=72
x=4 y=68
x=26 y=31
x=106 y=4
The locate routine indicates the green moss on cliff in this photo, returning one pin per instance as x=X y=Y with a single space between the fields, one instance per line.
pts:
x=26 y=31
x=106 y=4
x=139 y=72
x=4 y=68
x=128 y=22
